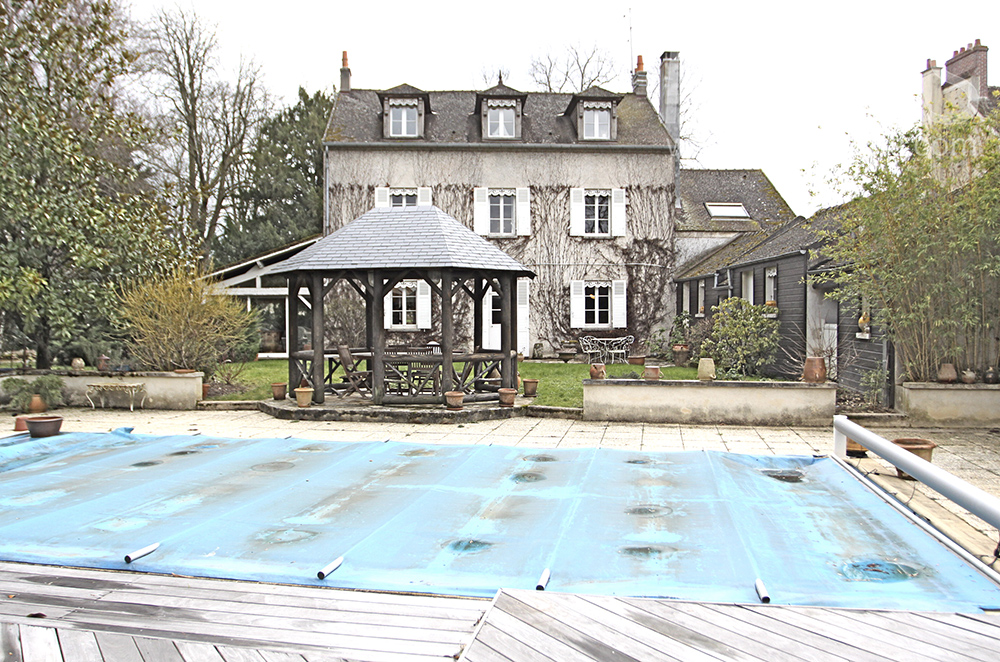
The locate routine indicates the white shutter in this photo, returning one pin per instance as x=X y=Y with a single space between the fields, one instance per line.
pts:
x=481 y=210
x=381 y=196
x=423 y=305
x=522 y=316
x=576 y=217
x=424 y=196
x=686 y=297
x=618 y=312
x=387 y=304
x=618 y=212
x=576 y=304
x=524 y=212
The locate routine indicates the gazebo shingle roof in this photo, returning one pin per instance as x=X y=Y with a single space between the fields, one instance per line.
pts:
x=403 y=238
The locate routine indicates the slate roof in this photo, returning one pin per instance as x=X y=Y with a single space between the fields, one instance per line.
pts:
x=750 y=187
x=402 y=238
x=357 y=118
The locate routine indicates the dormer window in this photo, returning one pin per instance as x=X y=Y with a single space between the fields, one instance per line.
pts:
x=597 y=120
x=501 y=119
x=501 y=122
x=403 y=118
x=597 y=123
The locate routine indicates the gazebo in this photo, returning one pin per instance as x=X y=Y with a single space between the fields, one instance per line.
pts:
x=376 y=252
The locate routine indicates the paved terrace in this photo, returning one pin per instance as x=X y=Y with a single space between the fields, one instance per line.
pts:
x=54 y=613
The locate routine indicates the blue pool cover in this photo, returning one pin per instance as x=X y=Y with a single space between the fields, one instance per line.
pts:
x=467 y=520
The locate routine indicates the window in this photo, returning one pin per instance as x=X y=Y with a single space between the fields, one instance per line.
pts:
x=597 y=304
x=501 y=123
x=496 y=315
x=502 y=212
x=746 y=283
x=597 y=212
x=771 y=286
x=403 y=121
x=701 y=299
x=685 y=297
x=408 y=306
x=597 y=123
x=404 y=305
x=726 y=210
x=403 y=199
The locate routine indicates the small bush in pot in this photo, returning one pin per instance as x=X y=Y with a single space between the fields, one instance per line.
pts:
x=48 y=387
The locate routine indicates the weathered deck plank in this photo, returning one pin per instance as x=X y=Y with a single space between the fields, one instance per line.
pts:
x=533 y=626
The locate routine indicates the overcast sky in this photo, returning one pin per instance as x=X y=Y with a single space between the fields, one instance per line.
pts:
x=781 y=86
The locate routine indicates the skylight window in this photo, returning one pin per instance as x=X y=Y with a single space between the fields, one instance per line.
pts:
x=726 y=210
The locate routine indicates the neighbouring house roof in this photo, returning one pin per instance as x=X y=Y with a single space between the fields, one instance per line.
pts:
x=357 y=118
x=263 y=259
x=749 y=187
x=799 y=234
x=403 y=238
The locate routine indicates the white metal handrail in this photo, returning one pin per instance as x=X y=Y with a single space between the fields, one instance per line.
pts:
x=976 y=501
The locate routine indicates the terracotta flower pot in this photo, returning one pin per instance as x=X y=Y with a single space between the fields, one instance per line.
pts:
x=922 y=448
x=44 y=426
x=279 y=390
x=814 y=370
x=453 y=400
x=37 y=404
x=507 y=397
x=303 y=396
x=204 y=390
x=530 y=388
x=652 y=372
x=597 y=371
x=21 y=423
x=637 y=359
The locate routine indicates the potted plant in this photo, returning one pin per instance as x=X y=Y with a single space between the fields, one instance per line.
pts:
x=304 y=394
x=34 y=396
x=679 y=343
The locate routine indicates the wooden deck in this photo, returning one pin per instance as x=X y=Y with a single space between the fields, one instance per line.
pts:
x=534 y=626
x=53 y=614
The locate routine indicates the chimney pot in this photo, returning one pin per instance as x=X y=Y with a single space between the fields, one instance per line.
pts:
x=638 y=64
x=345 y=76
x=978 y=43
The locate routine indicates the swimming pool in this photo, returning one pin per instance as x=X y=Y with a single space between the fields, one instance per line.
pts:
x=467 y=520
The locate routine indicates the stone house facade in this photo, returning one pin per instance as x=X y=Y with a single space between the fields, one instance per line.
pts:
x=579 y=188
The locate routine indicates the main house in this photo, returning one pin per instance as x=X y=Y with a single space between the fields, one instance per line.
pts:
x=579 y=188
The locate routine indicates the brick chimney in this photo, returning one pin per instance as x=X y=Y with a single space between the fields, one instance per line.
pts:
x=639 y=79
x=670 y=93
x=969 y=64
x=345 y=76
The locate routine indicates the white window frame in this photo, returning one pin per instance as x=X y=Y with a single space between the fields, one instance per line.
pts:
x=402 y=198
x=617 y=208
x=384 y=196
x=597 y=123
x=596 y=195
x=482 y=211
x=701 y=299
x=501 y=122
x=403 y=120
x=726 y=210
x=580 y=290
x=771 y=284
x=686 y=297
x=503 y=213
x=420 y=299
x=746 y=285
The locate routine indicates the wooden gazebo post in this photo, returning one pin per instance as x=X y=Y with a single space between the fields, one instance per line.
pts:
x=447 y=332
x=316 y=298
x=378 y=335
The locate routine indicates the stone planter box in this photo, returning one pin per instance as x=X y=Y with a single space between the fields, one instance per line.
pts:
x=709 y=402
x=949 y=405
x=164 y=390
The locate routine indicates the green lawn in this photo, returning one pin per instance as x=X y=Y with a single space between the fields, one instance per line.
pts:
x=559 y=384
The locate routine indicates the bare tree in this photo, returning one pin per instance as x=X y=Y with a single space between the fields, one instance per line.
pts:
x=210 y=122
x=575 y=71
